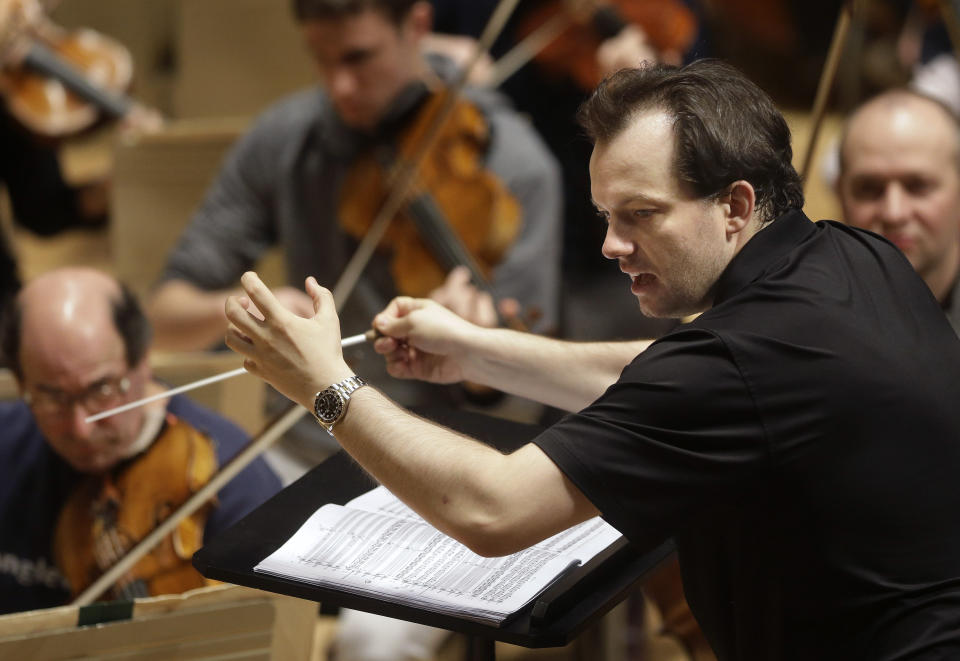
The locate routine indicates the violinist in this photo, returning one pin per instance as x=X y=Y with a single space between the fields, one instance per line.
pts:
x=37 y=111
x=284 y=182
x=554 y=80
x=77 y=343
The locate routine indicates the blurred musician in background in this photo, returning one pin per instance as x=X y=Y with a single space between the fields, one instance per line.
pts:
x=595 y=39
x=283 y=182
x=900 y=177
x=77 y=343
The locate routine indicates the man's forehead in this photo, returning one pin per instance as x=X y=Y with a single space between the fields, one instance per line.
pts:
x=890 y=125
x=644 y=136
x=901 y=154
x=357 y=28
x=74 y=361
x=637 y=160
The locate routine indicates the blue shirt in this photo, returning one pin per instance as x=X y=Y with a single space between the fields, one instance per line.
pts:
x=36 y=483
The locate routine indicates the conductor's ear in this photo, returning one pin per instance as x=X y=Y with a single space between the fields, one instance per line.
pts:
x=740 y=204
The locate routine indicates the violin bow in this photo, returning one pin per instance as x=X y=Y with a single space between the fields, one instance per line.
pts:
x=827 y=78
x=369 y=336
x=407 y=173
x=273 y=431
x=528 y=47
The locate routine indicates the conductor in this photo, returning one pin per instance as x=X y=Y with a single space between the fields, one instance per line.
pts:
x=798 y=439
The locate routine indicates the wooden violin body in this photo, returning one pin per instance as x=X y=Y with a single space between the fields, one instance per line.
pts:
x=106 y=515
x=459 y=212
x=57 y=82
x=667 y=24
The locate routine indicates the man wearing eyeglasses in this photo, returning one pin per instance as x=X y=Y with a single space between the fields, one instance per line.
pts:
x=77 y=343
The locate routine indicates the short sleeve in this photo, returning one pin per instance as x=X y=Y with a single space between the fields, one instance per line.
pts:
x=675 y=437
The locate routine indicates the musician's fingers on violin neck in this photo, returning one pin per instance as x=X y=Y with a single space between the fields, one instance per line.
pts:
x=139 y=120
x=483 y=310
x=509 y=308
x=458 y=277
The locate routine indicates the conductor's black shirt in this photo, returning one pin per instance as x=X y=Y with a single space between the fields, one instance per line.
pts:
x=801 y=442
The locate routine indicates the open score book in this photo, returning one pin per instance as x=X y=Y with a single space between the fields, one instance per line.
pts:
x=377 y=546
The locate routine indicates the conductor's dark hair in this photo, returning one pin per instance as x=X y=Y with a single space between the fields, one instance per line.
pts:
x=128 y=319
x=725 y=128
x=313 y=10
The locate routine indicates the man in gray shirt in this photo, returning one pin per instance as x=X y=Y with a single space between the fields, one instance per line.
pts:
x=282 y=183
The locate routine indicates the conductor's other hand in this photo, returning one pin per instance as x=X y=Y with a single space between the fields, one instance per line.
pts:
x=297 y=356
x=423 y=340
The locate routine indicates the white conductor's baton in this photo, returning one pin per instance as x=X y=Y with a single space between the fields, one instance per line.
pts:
x=369 y=336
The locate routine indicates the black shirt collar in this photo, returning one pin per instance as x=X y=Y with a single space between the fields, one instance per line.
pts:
x=764 y=249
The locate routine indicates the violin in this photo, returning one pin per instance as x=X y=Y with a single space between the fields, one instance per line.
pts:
x=403 y=189
x=57 y=82
x=583 y=25
x=108 y=514
x=456 y=212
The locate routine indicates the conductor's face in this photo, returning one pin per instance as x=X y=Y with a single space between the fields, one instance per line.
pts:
x=365 y=60
x=671 y=244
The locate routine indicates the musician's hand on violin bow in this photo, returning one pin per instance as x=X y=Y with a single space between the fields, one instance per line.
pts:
x=457 y=293
x=461 y=49
x=297 y=356
x=423 y=340
x=630 y=48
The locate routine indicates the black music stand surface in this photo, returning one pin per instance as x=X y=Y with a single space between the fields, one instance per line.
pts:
x=563 y=611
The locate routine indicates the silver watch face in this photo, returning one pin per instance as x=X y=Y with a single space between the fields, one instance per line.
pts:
x=329 y=406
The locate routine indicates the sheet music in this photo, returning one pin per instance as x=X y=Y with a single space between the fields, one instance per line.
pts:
x=377 y=546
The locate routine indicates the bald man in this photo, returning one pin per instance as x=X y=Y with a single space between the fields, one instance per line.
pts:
x=900 y=177
x=77 y=342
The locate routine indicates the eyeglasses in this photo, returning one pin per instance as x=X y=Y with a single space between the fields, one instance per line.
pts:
x=98 y=396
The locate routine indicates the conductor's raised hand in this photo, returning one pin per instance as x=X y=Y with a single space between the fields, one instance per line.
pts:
x=424 y=340
x=297 y=356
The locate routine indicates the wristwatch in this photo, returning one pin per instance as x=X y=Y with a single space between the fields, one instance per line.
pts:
x=330 y=404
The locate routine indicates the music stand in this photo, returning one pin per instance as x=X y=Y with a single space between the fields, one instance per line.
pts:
x=561 y=613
